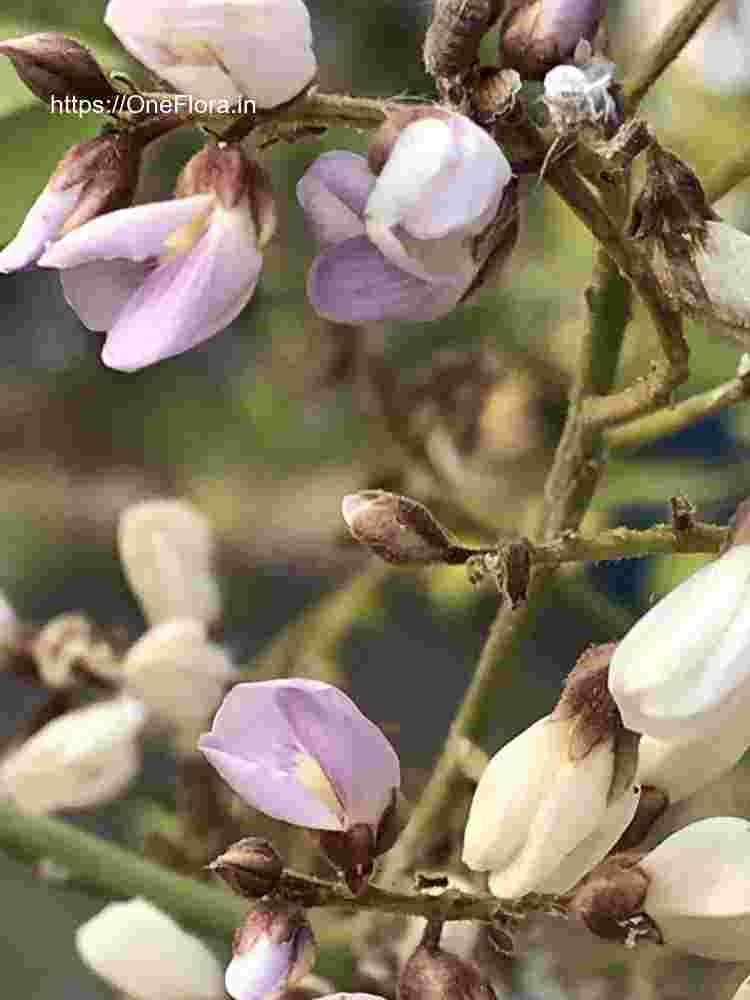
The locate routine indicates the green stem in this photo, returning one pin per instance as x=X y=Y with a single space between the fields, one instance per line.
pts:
x=665 y=50
x=114 y=872
x=628 y=543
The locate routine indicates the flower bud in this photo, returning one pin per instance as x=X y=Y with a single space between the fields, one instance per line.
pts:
x=178 y=673
x=252 y=867
x=52 y=65
x=536 y=35
x=451 y=47
x=396 y=528
x=95 y=177
x=143 y=953
x=555 y=800
x=699 y=888
x=434 y=974
x=166 y=548
x=683 y=670
x=67 y=642
x=273 y=950
x=78 y=760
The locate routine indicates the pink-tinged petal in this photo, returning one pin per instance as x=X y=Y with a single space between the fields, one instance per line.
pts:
x=467 y=196
x=328 y=219
x=346 y=175
x=423 y=153
x=570 y=21
x=191 y=297
x=44 y=220
x=130 y=233
x=268 y=737
x=99 y=291
x=261 y=972
x=353 y=283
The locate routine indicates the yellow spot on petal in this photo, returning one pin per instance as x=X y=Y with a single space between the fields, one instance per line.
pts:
x=310 y=774
x=184 y=238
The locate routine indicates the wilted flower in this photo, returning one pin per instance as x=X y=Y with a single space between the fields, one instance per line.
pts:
x=221 y=49
x=167 y=552
x=301 y=751
x=682 y=670
x=143 y=953
x=80 y=759
x=555 y=799
x=401 y=245
x=536 y=35
x=94 y=177
x=699 y=888
x=164 y=277
x=178 y=673
x=273 y=950
x=579 y=95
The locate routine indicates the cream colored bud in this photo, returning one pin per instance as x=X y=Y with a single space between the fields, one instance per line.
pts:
x=699 y=889
x=166 y=548
x=81 y=759
x=179 y=673
x=67 y=642
x=541 y=819
x=143 y=953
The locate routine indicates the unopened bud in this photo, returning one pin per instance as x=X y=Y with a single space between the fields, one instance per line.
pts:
x=144 y=954
x=451 y=48
x=273 y=950
x=611 y=896
x=397 y=529
x=166 y=548
x=179 y=673
x=53 y=65
x=226 y=171
x=539 y=34
x=66 y=643
x=434 y=974
x=252 y=867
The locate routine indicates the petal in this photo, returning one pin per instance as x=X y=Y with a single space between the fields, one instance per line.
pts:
x=189 y=299
x=261 y=972
x=333 y=193
x=679 y=671
x=353 y=283
x=263 y=733
x=596 y=846
x=681 y=769
x=132 y=233
x=570 y=21
x=573 y=805
x=98 y=291
x=509 y=794
x=422 y=153
x=43 y=222
x=143 y=953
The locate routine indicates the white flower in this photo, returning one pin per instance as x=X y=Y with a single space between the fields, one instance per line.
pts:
x=699 y=889
x=684 y=668
x=178 y=673
x=541 y=819
x=143 y=953
x=166 y=548
x=221 y=49
x=80 y=759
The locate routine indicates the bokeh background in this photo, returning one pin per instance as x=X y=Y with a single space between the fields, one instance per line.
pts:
x=266 y=426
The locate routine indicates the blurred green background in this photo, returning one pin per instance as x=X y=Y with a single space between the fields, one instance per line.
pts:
x=267 y=426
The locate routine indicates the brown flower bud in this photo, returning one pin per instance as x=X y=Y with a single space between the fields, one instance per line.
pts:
x=398 y=529
x=612 y=895
x=536 y=35
x=252 y=867
x=451 y=47
x=434 y=974
x=52 y=65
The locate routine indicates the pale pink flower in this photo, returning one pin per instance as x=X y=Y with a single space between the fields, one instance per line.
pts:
x=163 y=277
x=221 y=49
